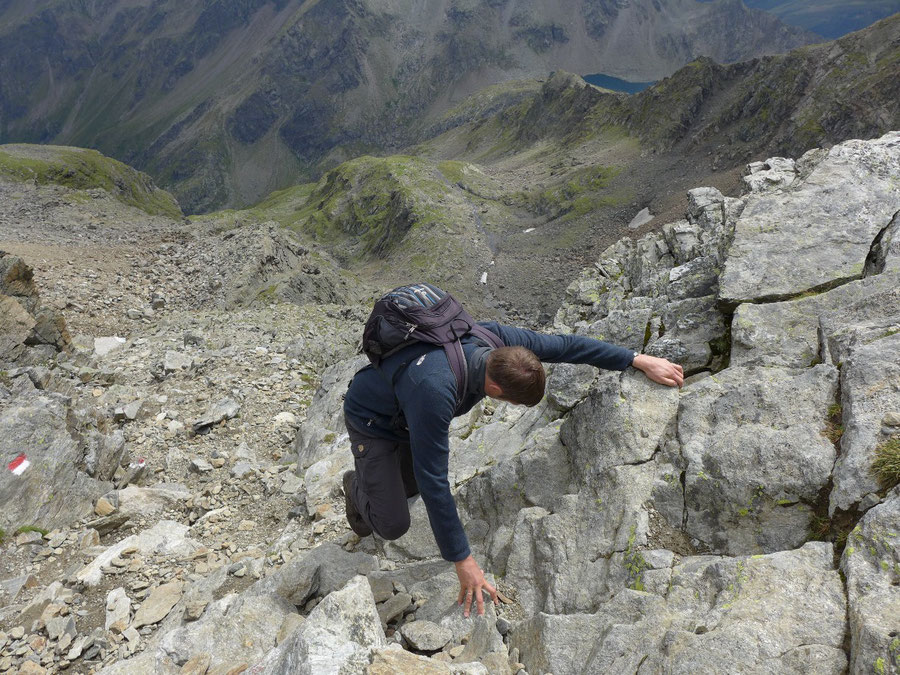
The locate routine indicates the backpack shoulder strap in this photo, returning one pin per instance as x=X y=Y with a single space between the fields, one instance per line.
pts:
x=459 y=366
x=490 y=337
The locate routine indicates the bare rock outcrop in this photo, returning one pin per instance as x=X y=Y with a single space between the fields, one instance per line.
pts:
x=23 y=319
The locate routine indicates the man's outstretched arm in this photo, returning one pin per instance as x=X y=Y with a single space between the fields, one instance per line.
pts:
x=583 y=349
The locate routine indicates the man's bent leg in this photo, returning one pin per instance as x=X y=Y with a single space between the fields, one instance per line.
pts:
x=378 y=490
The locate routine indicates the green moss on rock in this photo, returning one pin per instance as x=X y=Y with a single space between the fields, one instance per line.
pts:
x=371 y=203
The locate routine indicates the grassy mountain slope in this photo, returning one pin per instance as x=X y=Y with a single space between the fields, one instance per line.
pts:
x=785 y=104
x=82 y=169
x=224 y=101
x=814 y=95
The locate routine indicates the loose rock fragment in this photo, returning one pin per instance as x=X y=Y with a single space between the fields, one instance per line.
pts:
x=158 y=605
x=224 y=409
x=118 y=609
x=426 y=635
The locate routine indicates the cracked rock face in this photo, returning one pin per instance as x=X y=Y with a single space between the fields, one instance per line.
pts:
x=870 y=390
x=796 y=333
x=756 y=457
x=817 y=232
x=782 y=613
x=871 y=562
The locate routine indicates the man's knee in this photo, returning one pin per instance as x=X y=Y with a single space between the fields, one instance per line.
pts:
x=393 y=529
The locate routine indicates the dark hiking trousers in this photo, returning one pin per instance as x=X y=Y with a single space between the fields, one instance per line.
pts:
x=384 y=481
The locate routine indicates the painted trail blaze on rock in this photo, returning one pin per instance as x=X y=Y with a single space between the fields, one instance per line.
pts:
x=19 y=464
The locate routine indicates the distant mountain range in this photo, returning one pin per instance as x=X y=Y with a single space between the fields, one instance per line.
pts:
x=223 y=101
x=828 y=18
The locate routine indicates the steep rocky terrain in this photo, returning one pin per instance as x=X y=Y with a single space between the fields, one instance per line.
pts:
x=223 y=102
x=178 y=509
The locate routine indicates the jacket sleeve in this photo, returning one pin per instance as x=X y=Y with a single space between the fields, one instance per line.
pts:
x=565 y=348
x=428 y=410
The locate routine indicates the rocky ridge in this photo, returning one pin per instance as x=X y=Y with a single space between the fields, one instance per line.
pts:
x=631 y=528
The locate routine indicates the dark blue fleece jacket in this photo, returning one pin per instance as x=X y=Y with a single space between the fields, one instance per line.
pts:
x=425 y=389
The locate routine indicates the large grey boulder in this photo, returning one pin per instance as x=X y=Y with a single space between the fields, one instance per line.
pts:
x=872 y=316
x=317 y=572
x=337 y=637
x=870 y=389
x=781 y=613
x=534 y=477
x=233 y=629
x=756 y=456
x=818 y=232
x=50 y=490
x=573 y=556
x=616 y=639
x=488 y=439
x=788 y=333
x=624 y=420
x=871 y=563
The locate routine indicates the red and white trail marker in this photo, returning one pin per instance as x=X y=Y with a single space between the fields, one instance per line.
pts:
x=19 y=464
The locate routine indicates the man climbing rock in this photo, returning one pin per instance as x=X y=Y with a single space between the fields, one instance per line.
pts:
x=398 y=417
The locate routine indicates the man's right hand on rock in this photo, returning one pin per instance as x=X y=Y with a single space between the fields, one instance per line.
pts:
x=471 y=583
